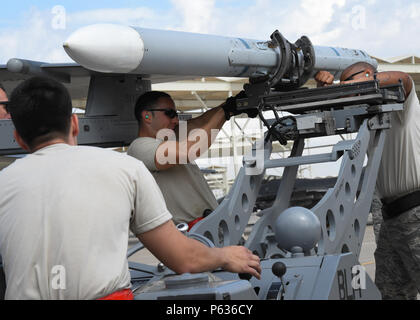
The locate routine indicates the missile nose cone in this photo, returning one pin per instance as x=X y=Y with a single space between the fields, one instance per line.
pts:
x=106 y=48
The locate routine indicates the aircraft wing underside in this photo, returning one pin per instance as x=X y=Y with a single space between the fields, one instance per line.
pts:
x=110 y=98
x=75 y=77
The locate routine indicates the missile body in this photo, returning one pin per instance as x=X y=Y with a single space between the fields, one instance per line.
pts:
x=34 y=68
x=121 y=49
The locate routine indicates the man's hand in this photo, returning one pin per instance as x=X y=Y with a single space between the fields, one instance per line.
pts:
x=241 y=260
x=182 y=254
x=231 y=109
x=324 y=78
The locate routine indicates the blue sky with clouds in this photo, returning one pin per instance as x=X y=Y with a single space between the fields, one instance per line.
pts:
x=384 y=28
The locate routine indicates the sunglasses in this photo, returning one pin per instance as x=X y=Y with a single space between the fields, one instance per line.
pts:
x=171 y=113
x=5 y=104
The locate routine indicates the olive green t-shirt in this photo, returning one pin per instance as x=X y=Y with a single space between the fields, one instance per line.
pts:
x=183 y=186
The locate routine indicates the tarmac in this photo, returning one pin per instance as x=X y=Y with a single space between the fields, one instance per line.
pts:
x=366 y=257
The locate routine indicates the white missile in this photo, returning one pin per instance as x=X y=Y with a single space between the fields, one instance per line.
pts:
x=111 y=48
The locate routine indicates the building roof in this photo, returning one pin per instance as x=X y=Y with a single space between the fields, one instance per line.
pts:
x=407 y=59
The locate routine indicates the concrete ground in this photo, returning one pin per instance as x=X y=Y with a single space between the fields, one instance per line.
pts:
x=366 y=257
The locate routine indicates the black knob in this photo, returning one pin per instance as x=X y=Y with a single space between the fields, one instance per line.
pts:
x=245 y=276
x=279 y=269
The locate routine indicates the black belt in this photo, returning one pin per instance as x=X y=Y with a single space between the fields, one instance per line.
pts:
x=403 y=204
x=207 y=212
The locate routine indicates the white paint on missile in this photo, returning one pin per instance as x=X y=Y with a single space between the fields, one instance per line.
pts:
x=116 y=49
x=248 y=57
x=122 y=49
x=336 y=59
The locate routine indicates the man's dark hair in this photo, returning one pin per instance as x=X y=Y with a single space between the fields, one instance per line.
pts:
x=2 y=87
x=41 y=110
x=148 y=100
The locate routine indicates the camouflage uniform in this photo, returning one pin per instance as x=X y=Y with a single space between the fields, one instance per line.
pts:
x=398 y=249
x=376 y=210
x=397 y=256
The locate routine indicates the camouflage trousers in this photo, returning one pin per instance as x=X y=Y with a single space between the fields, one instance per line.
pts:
x=397 y=256
x=376 y=210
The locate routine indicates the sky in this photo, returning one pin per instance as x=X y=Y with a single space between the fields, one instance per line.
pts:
x=384 y=28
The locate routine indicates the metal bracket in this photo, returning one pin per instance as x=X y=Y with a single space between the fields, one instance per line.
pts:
x=381 y=121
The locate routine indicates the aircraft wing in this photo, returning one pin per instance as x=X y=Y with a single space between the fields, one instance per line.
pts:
x=71 y=69
x=109 y=118
x=75 y=77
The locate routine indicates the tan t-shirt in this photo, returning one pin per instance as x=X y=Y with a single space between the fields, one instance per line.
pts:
x=5 y=161
x=184 y=187
x=65 y=214
x=399 y=172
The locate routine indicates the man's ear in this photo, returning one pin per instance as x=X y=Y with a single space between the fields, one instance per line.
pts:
x=20 y=141
x=146 y=117
x=74 y=130
x=75 y=125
